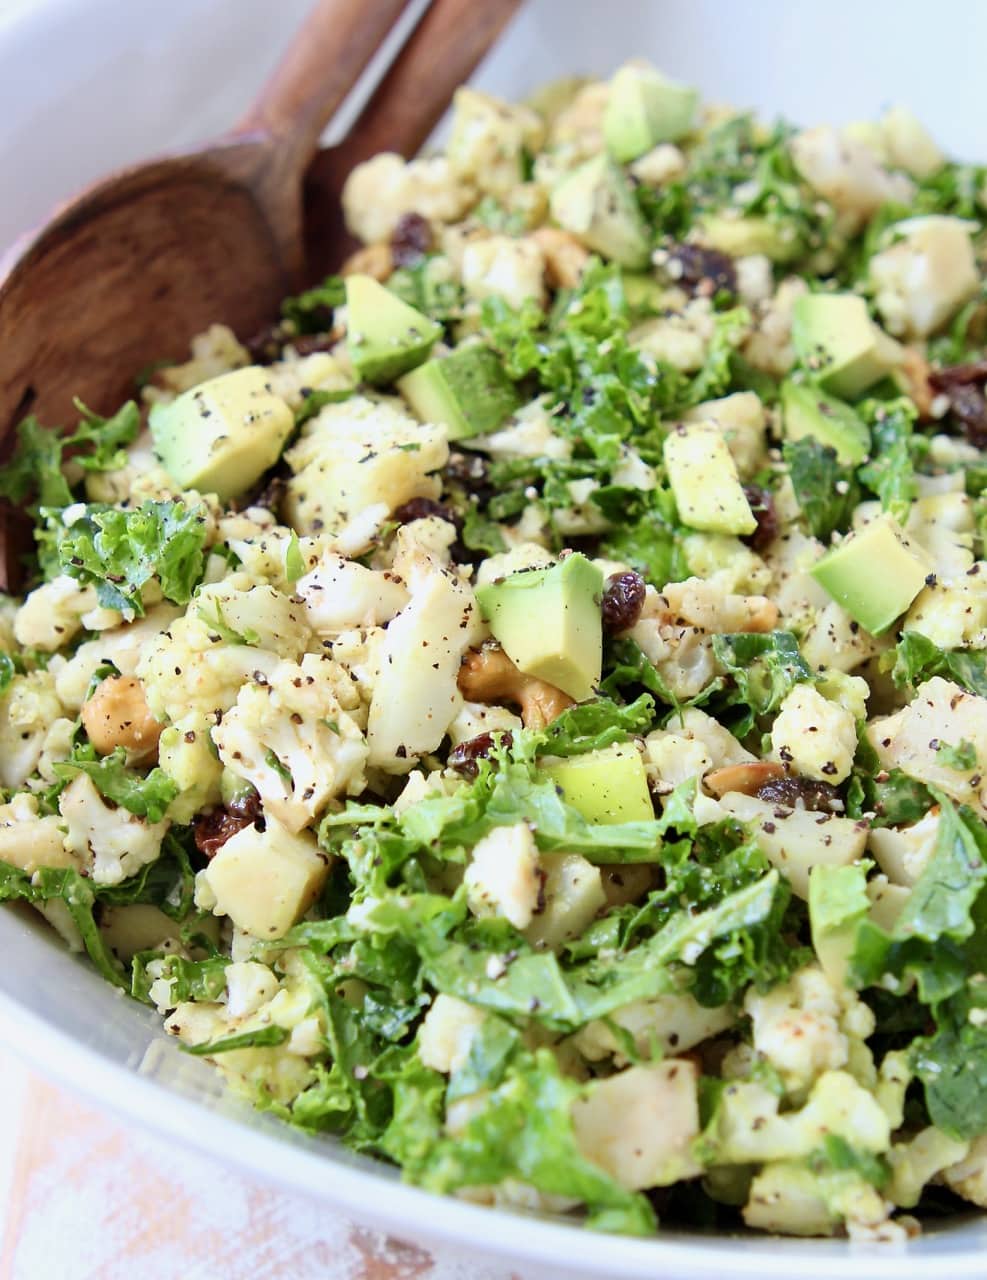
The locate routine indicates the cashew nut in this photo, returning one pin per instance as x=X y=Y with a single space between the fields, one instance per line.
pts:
x=565 y=257
x=745 y=778
x=117 y=715
x=488 y=675
x=915 y=371
x=374 y=260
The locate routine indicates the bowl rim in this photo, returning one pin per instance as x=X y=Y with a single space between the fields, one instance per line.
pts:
x=406 y=1211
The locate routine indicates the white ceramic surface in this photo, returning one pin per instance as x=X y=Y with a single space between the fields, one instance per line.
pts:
x=86 y=85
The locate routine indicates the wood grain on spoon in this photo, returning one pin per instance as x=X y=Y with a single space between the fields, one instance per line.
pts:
x=130 y=270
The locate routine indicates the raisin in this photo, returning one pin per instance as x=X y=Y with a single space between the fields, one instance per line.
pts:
x=212 y=830
x=245 y=804
x=623 y=600
x=464 y=757
x=954 y=375
x=411 y=239
x=762 y=506
x=421 y=509
x=794 y=791
x=700 y=270
x=969 y=408
x=265 y=347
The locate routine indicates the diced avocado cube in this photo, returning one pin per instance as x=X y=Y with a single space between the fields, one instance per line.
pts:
x=608 y=786
x=385 y=337
x=834 y=337
x=548 y=623
x=874 y=574
x=807 y=411
x=705 y=482
x=468 y=392
x=742 y=236
x=643 y=109
x=221 y=436
x=595 y=202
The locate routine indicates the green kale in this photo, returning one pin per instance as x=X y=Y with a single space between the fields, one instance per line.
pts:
x=121 y=551
x=145 y=795
x=311 y=311
x=826 y=491
x=916 y=658
x=890 y=472
x=764 y=668
x=962 y=757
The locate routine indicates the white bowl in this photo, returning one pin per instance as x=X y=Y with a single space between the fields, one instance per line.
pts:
x=88 y=85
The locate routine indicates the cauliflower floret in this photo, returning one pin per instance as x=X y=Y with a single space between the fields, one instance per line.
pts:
x=803 y=1026
x=340 y=594
x=290 y=737
x=28 y=708
x=238 y=610
x=916 y=1162
x=664 y=163
x=213 y=352
x=741 y=419
x=503 y=267
x=726 y=562
x=675 y=758
x=415 y=693
x=357 y=462
x=527 y=434
x=29 y=841
x=925 y=276
x=51 y=615
x=968 y=1178
x=113 y=843
x=903 y=853
x=682 y=655
x=909 y=145
x=123 y=647
x=490 y=139
x=475 y=718
x=379 y=192
x=769 y=346
x=580 y=122
x=248 y=986
x=502 y=876
x=186 y=669
x=951 y=616
x=720 y=744
x=681 y=339
x=448 y=1031
x=697 y=602
x=755 y=278
x=847 y=173
x=943 y=525
x=815 y=737
x=833 y=639
x=941 y=712
x=57 y=746
x=186 y=754
x=296 y=377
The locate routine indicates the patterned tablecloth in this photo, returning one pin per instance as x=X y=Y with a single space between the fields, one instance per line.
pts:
x=87 y=1197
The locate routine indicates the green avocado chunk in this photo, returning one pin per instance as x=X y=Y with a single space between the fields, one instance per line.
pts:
x=834 y=337
x=548 y=623
x=742 y=236
x=606 y=786
x=595 y=202
x=221 y=436
x=643 y=109
x=807 y=411
x=875 y=574
x=468 y=392
x=385 y=337
x=704 y=480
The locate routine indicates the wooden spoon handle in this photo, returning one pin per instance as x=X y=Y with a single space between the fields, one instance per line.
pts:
x=440 y=54
x=322 y=64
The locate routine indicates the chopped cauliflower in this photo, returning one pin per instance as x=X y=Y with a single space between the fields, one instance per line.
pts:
x=214 y=351
x=357 y=457
x=447 y=1032
x=490 y=139
x=680 y=339
x=30 y=841
x=503 y=267
x=52 y=614
x=502 y=876
x=903 y=853
x=926 y=274
x=27 y=709
x=244 y=612
x=846 y=173
x=111 y=842
x=288 y=734
x=123 y=647
x=529 y=433
x=340 y=594
x=813 y=736
x=379 y=192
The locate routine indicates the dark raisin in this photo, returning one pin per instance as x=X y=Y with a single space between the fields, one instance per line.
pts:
x=212 y=830
x=762 y=506
x=969 y=407
x=410 y=240
x=421 y=509
x=308 y=344
x=464 y=757
x=700 y=270
x=265 y=347
x=795 y=791
x=623 y=600
x=954 y=375
x=469 y=470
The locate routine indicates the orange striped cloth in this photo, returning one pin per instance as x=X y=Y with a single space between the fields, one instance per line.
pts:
x=86 y=1197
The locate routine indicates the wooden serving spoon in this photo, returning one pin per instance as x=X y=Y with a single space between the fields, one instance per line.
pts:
x=133 y=267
